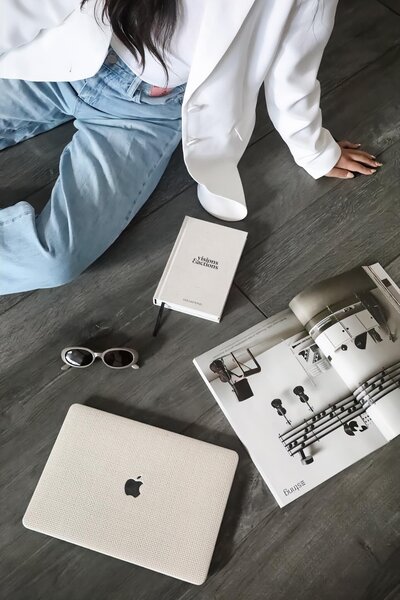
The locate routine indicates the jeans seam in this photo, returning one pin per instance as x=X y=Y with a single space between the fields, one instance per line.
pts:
x=2 y=223
x=161 y=156
x=29 y=123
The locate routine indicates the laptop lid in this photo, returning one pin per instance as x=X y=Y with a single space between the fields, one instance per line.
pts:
x=135 y=492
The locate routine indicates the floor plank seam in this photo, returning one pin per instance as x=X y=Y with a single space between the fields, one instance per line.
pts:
x=389 y=8
x=204 y=414
x=43 y=187
x=318 y=199
x=366 y=66
x=157 y=208
x=27 y=294
x=47 y=385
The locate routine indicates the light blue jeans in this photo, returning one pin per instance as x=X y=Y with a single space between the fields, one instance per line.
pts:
x=123 y=143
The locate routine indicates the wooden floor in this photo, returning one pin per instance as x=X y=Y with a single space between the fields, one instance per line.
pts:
x=338 y=542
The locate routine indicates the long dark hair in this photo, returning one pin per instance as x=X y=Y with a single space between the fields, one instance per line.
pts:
x=143 y=23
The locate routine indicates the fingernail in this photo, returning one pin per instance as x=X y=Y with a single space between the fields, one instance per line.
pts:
x=372 y=156
x=358 y=145
x=350 y=175
x=379 y=164
x=372 y=170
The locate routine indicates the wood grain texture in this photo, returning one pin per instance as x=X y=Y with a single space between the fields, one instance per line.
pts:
x=341 y=540
x=393 y=5
x=345 y=227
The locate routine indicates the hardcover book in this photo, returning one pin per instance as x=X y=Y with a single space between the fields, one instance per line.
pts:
x=200 y=269
x=313 y=389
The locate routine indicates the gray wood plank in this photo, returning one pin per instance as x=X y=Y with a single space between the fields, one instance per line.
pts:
x=29 y=166
x=7 y=302
x=332 y=543
x=363 y=32
x=393 y=268
x=337 y=232
x=393 y=5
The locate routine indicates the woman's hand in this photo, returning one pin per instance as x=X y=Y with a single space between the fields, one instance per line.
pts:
x=353 y=160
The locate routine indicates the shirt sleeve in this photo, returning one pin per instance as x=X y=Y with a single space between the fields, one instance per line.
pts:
x=292 y=90
x=22 y=20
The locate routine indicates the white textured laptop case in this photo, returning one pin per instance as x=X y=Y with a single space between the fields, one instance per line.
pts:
x=170 y=527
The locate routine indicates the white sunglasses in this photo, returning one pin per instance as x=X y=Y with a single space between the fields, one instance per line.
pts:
x=114 y=358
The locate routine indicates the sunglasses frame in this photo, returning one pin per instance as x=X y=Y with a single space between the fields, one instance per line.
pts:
x=67 y=365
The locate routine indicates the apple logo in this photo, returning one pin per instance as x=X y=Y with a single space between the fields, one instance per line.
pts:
x=132 y=487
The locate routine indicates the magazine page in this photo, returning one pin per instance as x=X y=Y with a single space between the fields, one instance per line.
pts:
x=290 y=408
x=354 y=319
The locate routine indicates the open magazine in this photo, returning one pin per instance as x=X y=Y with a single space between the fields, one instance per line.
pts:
x=315 y=388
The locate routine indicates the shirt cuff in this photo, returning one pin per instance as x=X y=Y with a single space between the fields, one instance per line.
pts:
x=325 y=160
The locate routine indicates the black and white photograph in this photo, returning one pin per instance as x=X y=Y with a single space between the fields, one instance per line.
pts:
x=327 y=395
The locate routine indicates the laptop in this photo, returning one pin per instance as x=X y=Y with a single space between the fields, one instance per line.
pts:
x=135 y=492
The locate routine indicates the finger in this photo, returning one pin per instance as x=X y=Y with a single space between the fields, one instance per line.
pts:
x=340 y=173
x=347 y=144
x=368 y=159
x=357 y=167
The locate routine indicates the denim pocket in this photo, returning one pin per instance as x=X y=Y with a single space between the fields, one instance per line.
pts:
x=112 y=81
x=88 y=89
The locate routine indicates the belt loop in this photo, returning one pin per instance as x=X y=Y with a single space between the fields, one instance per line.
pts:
x=136 y=81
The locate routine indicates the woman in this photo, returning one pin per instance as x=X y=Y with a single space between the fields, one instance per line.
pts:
x=137 y=75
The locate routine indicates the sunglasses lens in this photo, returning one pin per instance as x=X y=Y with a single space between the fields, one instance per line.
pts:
x=118 y=358
x=76 y=357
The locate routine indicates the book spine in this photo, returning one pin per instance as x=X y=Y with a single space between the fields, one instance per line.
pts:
x=157 y=298
x=229 y=287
